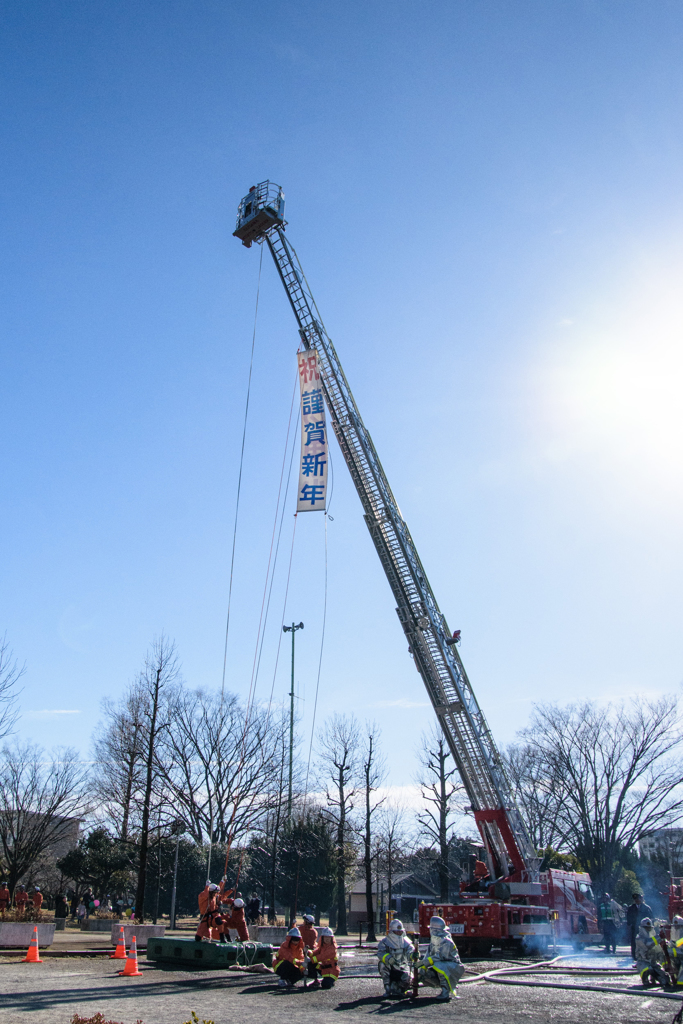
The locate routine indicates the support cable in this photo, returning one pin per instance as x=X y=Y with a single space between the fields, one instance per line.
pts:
x=315 y=708
x=239 y=478
x=284 y=607
x=317 y=682
x=267 y=591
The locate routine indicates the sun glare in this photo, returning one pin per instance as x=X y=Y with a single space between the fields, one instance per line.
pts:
x=610 y=385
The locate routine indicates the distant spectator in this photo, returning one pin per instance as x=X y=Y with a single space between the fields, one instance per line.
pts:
x=88 y=901
x=61 y=906
x=74 y=904
x=81 y=912
x=253 y=909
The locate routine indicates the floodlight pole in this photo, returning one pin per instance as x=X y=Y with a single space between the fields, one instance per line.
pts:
x=291 y=629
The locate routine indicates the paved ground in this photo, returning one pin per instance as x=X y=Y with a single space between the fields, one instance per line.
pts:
x=51 y=992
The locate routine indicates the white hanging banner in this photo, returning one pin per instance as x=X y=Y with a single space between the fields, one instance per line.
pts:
x=312 y=494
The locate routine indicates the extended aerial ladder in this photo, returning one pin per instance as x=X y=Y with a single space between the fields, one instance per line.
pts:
x=510 y=852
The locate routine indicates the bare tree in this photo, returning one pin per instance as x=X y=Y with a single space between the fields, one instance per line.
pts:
x=10 y=674
x=338 y=776
x=374 y=770
x=220 y=772
x=536 y=794
x=391 y=835
x=439 y=790
x=156 y=680
x=118 y=781
x=617 y=773
x=39 y=798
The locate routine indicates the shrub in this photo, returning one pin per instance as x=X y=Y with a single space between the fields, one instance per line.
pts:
x=98 y=1018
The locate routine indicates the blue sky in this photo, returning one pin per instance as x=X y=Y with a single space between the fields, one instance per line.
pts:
x=486 y=199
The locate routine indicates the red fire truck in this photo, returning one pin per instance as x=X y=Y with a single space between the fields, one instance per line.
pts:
x=559 y=907
x=478 y=924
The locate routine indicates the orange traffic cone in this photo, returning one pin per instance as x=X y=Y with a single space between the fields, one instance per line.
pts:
x=120 y=953
x=131 y=968
x=32 y=956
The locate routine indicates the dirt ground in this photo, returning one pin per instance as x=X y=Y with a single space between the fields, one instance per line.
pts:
x=51 y=992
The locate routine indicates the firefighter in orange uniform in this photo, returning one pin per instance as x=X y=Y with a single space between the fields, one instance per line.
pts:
x=225 y=904
x=21 y=899
x=288 y=962
x=37 y=898
x=308 y=931
x=324 y=960
x=238 y=921
x=5 y=898
x=208 y=911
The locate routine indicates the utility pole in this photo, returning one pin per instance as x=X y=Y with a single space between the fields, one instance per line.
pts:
x=291 y=629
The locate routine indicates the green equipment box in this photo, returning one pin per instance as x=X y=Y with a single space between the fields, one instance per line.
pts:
x=189 y=953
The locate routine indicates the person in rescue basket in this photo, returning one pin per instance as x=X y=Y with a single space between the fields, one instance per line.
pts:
x=441 y=966
x=395 y=955
x=324 y=960
x=288 y=962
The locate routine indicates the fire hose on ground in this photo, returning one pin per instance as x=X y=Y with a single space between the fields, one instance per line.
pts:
x=496 y=977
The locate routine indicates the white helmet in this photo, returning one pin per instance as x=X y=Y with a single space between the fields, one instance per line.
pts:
x=396 y=926
x=646 y=923
x=309 y=919
x=238 y=903
x=294 y=933
x=213 y=887
x=677 y=919
x=37 y=888
x=436 y=924
x=327 y=931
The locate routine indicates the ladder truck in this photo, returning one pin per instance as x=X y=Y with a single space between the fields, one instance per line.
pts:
x=518 y=904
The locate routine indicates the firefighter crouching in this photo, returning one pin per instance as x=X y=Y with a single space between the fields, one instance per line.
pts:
x=324 y=960
x=676 y=948
x=288 y=962
x=649 y=956
x=395 y=955
x=440 y=967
